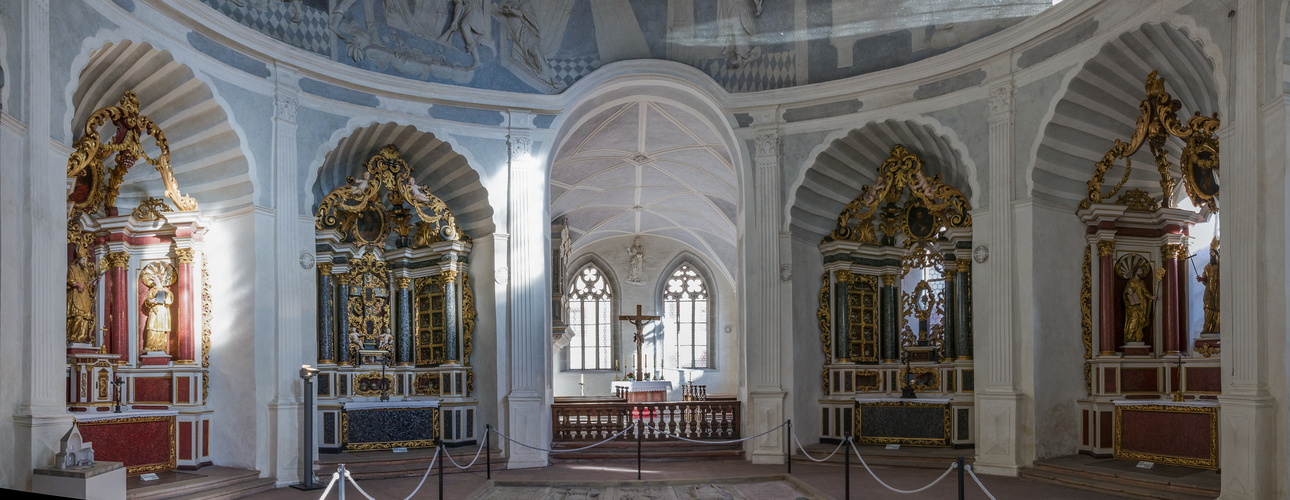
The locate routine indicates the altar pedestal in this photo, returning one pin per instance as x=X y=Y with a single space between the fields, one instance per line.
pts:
x=643 y=391
x=1167 y=432
x=143 y=440
x=100 y=481
x=388 y=425
x=911 y=422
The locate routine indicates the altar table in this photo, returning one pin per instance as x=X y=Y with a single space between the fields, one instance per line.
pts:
x=143 y=440
x=385 y=425
x=911 y=422
x=644 y=391
x=1167 y=432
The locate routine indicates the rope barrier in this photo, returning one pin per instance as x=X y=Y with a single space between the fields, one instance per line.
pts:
x=610 y=438
x=334 y=477
x=423 y=477
x=355 y=483
x=732 y=441
x=472 y=462
x=968 y=468
x=813 y=459
x=875 y=476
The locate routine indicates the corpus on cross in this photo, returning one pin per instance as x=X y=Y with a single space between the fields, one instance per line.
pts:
x=639 y=320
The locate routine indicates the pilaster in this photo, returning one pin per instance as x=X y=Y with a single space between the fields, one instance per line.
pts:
x=286 y=406
x=766 y=394
x=528 y=402
x=997 y=398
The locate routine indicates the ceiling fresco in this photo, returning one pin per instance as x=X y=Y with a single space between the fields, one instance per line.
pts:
x=543 y=46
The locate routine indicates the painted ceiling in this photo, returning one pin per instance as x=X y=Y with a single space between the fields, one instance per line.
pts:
x=543 y=46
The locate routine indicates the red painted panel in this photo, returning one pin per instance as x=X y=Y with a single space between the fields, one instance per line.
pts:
x=1209 y=379
x=1166 y=433
x=185 y=441
x=137 y=441
x=1107 y=433
x=1108 y=381
x=1084 y=415
x=1140 y=380
x=181 y=390
x=1173 y=378
x=152 y=389
x=206 y=438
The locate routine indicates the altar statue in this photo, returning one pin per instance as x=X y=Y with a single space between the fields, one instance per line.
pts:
x=157 y=276
x=80 y=300
x=636 y=252
x=1210 y=278
x=1137 y=306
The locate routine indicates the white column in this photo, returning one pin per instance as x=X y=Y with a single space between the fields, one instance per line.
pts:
x=41 y=417
x=528 y=403
x=1248 y=413
x=997 y=398
x=766 y=360
x=285 y=408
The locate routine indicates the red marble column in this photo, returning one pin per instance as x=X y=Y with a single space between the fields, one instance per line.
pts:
x=1106 y=296
x=184 y=306
x=117 y=300
x=1169 y=298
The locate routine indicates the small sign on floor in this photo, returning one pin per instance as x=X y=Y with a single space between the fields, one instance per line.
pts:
x=893 y=447
x=149 y=477
x=1146 y=465
x=400 y=450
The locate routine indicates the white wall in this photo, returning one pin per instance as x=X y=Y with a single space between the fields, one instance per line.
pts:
x=808 y=351
x=660 y=257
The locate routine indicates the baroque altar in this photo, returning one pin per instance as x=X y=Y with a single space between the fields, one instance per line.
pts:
x=138 y=299
x=895 y=311
x=396 y=314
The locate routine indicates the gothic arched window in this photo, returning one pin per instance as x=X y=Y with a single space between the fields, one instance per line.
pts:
x=685 y=318
x=591 y=321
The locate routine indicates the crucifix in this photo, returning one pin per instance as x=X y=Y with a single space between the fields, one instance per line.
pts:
x=639 y=320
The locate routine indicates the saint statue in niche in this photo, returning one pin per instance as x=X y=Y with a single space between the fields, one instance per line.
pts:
x=636 y=254
x=1137 y=305
x=157 y=276
x=80 y=299
x=1210 y=278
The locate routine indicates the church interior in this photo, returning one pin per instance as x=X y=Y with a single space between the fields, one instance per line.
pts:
x=300 y=237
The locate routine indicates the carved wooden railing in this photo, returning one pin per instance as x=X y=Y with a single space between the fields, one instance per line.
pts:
x=703 y=420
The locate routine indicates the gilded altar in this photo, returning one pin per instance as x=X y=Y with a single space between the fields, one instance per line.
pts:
x=396 y=306
x=895 y=310
x=139 y=304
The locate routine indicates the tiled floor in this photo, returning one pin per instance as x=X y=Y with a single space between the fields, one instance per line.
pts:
x=827 y=478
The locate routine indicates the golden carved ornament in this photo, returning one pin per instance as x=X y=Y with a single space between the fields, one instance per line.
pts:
x=842 y=275
x=1138 y=200
x=470 y=382
x=1106 y=248
x=825 y=318
x=95 y=189
x=184 y=255
x=427 y=384
x=929 y=205
x=963 y=265
x=357 y=210
x=207 y=311
x=450 y=275
x=150 y=209
x=468 y=315
x=1086 y=314
x=888 y=280
x=1173 y=251
x=324 y=268
x=403 y=282
x=369 y=303
x=1208 y=350
x=1158 y=122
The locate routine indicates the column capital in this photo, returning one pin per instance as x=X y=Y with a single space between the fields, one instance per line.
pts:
x=766 y=144
x=184 y=255
x=324 y=268
x=285 y=103
x=1106 y=248
x=1001 y=99
x=888 y=280
x=403 y=282
x=119 y=260
x=521 y=144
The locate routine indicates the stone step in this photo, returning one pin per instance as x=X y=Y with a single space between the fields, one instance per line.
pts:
x=927 y=458
x=1106 y=482
x=386 y=464
x=209 y=479
x=236 y=490
x=650 y=451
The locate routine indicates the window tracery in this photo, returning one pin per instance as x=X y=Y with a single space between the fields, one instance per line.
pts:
x=685 y=318
x=591 y=320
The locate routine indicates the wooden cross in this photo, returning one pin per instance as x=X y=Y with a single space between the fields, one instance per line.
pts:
x=639 y=320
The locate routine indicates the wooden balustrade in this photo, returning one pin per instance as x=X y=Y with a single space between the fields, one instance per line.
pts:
x=694 y=392
x=595 y=421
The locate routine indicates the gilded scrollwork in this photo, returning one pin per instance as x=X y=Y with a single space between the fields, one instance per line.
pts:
x=468 y=315
x=151 y=209
x=357 y=210
x=1086 y=315
x=1139 y=200
x=369 y=306
x=823 y=315
x=930 y=205
x=1158 y=122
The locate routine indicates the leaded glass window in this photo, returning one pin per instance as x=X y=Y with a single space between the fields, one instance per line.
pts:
x=590 y=320
x=685 y=318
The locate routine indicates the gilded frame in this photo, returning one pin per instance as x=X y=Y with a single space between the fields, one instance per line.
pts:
x=152 y=467
x=1204 y=463
x=929 y=442
x=387 y=445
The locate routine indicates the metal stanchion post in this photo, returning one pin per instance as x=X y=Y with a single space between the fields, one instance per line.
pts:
x=488 y=446
x=307 y=375
x=961 y=464
x=847 y=467
x=439 y=451
x=341 y=492
x=788 y=446
x=640 y=432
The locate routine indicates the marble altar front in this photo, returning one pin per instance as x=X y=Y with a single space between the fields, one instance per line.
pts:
x=643 y=391
x=1167 y=432
x=145 y=441
x=912 y=422
x=384 y=425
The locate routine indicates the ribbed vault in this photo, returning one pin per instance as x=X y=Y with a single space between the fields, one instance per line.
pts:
x=1101 y=105
x=650 y=168
x=434 y=165
x=851 y=162
x=205 y=151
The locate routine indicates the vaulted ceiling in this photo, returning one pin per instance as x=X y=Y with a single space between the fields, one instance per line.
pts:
x=851 y=162
x=648 y=168
x=1101 y=105
x=434 y=165
x=205 y=152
